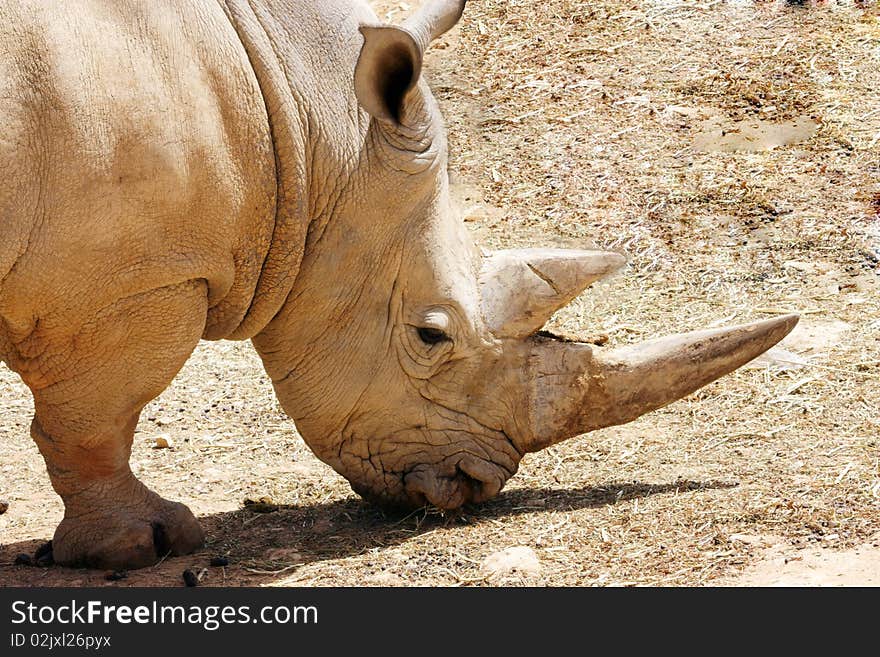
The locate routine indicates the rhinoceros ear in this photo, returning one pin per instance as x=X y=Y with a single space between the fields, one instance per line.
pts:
x=387 y=70
x=390 y=62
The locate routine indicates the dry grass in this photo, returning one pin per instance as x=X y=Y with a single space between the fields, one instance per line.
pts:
x=572 y=123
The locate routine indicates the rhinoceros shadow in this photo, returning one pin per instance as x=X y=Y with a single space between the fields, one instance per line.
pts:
x=296 y=536
x=263 y=547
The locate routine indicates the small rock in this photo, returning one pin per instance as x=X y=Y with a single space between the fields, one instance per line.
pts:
x=43 y=557
x=219 y=562
x=162 y=442
x=189 y=578
x=519 y=559
x=24 y=560
x=4 y=507
x=115 y=575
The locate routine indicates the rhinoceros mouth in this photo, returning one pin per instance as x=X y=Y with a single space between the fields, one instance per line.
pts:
x=472 y=480
x=447 y=485
x=463 y=462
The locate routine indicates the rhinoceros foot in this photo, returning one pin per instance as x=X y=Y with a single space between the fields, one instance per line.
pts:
x=127 y=536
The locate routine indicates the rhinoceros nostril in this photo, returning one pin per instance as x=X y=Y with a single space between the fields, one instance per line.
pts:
x=420 y=486
x=445 y=489
x=482 y=478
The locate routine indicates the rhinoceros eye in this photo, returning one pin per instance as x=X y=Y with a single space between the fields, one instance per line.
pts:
x=431 y=335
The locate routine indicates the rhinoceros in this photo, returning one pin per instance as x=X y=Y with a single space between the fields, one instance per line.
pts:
x=277 y=171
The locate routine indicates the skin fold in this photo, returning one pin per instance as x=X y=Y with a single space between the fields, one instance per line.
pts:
x=276 y=171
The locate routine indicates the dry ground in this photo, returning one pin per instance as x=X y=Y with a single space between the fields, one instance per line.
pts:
x=573 y=122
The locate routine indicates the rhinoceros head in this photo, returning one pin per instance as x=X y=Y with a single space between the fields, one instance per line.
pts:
x=413 y=363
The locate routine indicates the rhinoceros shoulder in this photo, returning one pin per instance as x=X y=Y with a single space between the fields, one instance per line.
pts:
x=142 y=144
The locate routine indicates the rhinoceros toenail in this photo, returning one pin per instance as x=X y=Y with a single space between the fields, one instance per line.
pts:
x=44 y=557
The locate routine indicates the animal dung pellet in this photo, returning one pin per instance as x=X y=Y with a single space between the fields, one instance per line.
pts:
x=162 y=442
x=116 y=575
x=189 y=578
x=219 y=562
x=4 y=507
x=24 y=560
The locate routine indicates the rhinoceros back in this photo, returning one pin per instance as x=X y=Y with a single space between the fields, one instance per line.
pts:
x=135 y=154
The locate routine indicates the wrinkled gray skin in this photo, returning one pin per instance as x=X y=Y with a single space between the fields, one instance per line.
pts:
x=274 y=170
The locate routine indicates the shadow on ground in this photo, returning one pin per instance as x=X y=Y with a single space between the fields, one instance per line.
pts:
x=264 y=547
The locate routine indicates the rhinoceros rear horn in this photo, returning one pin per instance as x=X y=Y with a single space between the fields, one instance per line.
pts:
x=390 y=62
x=522 y=288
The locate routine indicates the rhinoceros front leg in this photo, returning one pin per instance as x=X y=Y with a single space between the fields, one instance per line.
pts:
x=89 y=390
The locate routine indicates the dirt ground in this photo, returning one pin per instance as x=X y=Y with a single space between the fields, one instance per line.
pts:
x=732 y=150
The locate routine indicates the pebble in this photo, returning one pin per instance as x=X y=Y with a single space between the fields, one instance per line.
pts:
x=4 y=507
x=519 y=559
x=115 y=575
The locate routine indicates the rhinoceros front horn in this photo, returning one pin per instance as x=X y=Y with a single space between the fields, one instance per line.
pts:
x=573 y=388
